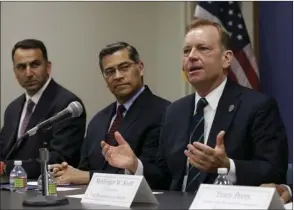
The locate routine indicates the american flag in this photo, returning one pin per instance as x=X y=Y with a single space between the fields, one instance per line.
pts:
x=244 y=68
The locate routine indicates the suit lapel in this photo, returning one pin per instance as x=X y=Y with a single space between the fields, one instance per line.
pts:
x=226 y=109
x=43 y=105
x=15 y=123
x=130 y=117
x=133 y=113
x=107 y=117
x=181 y=138
x=103 y=129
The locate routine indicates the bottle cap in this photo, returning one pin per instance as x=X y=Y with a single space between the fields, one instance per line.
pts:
x=222 y=170
x=18 y=162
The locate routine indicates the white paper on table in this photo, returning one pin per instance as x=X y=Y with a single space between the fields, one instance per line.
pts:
x=33 y=183
x=157 y=193
x=58 y=188
x=288 y=205
x=76 y=196
x=82 y=195
x=66 y=188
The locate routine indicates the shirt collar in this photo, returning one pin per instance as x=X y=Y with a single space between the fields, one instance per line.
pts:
x=129 y=103
x=213 y=97
x=36 y=97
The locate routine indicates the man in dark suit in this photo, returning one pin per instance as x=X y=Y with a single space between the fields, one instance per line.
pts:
x=222 y=125
x=136 y=114
x=43 y=98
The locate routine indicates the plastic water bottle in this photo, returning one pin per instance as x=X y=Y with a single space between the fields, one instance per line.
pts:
x=222 y=178
x=52 y=185
x=18 y=178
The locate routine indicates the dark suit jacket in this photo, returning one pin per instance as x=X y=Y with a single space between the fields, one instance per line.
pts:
x=64 y=139
x=140 y=127
x=255 y=138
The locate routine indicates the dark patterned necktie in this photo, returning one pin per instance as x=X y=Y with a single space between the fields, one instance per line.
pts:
x=28 y=114
x=197 y=134
x=115 y=125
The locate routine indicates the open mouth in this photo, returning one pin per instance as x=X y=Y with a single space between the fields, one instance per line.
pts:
x=195 y=68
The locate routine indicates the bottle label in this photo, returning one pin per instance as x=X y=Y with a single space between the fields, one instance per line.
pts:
x=52 y=189
x=20 y=182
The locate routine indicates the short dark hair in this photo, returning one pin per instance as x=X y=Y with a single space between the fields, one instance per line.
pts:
x=114 y=47
x=30 y=44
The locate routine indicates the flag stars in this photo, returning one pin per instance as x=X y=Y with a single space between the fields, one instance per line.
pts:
x=221 y=9
x=230 y=2
x=239 y=37
x=230 y=23
x=231 y=12
x=239 y=15
x=240 y=26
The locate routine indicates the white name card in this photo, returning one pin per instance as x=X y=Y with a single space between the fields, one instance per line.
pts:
x=118 y=190
x=211 y=196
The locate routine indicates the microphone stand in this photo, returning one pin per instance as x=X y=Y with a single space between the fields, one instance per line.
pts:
x=45 y=199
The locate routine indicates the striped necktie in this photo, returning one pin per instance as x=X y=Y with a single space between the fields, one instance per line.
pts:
x=115 y=125
x=197 y=134
x=28 y=114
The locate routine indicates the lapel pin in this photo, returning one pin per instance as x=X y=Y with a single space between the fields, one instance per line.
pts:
x=231 y=108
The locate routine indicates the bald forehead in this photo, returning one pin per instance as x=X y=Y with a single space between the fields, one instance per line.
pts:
x=203 y=34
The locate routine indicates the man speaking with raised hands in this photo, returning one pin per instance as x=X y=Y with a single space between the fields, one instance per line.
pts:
x=221 y=125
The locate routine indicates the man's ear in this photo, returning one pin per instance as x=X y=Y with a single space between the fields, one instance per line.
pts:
x=49 y=66
x=141 y=67
x=227 y=58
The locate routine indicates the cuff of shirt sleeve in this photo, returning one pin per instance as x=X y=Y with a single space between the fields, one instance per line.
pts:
x=232 y=173
x=139 y=170
x=289 y=189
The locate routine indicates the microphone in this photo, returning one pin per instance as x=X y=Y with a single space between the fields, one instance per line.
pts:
x=74 y=109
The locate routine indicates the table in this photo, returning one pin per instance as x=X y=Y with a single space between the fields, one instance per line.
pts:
x=167 y=200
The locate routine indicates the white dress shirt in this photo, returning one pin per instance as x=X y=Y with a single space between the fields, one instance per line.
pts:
x=209 y=112
x=35 y=98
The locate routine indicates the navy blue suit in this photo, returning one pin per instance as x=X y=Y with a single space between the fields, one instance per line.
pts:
x=64 y=138
x=255 y=138
x=140 y=127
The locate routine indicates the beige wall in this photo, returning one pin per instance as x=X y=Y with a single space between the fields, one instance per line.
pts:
x=74 y=32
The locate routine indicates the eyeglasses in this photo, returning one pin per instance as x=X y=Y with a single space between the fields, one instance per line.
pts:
x=122 y=68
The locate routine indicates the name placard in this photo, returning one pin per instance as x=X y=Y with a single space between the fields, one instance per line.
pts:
x=118 y=190
x=236 y=197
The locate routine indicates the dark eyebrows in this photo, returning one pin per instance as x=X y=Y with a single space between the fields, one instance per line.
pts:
x=119 y=65
x=36 y=61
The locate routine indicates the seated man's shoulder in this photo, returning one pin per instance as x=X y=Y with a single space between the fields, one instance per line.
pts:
x=158 y=102
x=63 y=97
x=66 y=94
x=15 y=102
x=100 y=113
x=178 y=104
x=255 y=98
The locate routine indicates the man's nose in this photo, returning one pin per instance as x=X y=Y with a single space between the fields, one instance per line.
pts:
x=193 y=55
x=118 y=74
x=28 y=71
